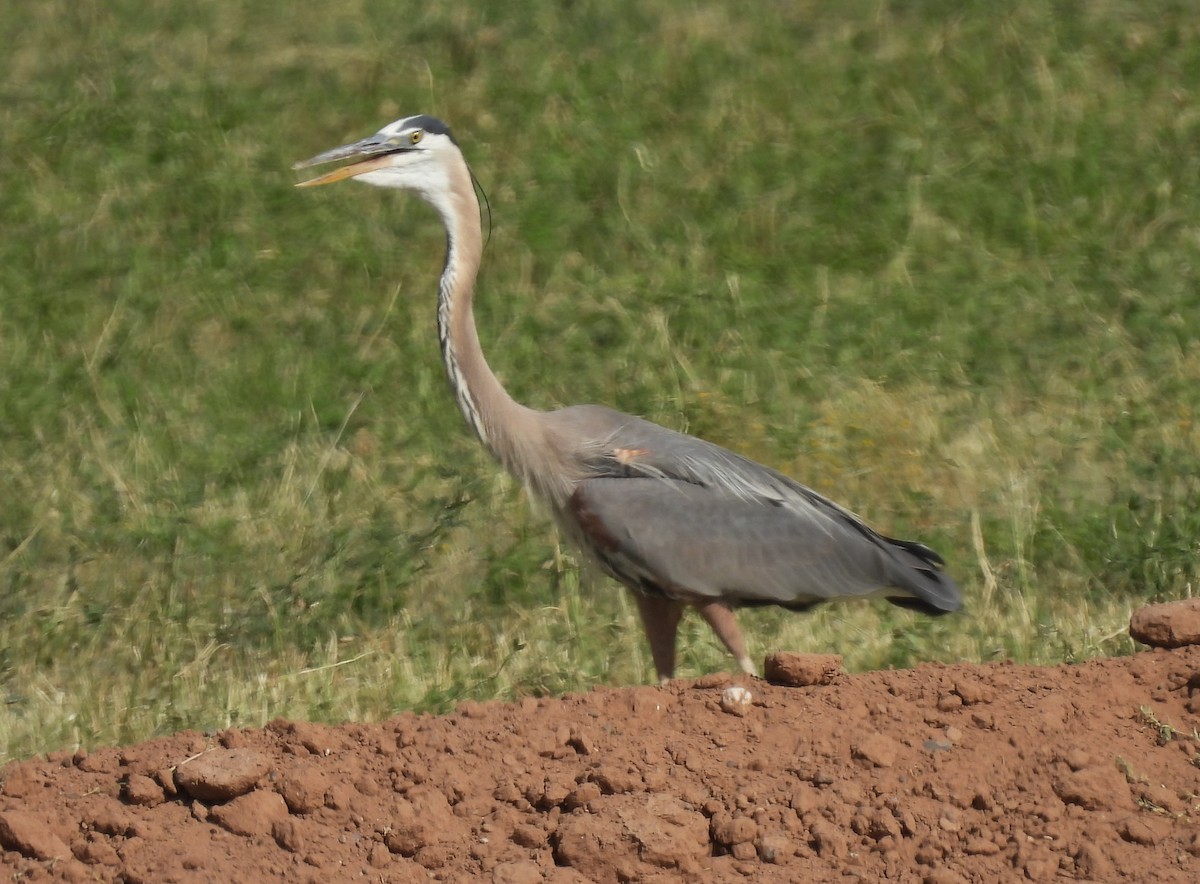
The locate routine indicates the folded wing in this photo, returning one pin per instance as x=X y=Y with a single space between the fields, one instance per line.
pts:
x=674 y=514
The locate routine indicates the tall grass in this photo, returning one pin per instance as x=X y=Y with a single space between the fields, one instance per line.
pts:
x=936 y=260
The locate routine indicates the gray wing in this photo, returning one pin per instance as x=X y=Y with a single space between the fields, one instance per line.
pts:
x=672 y=513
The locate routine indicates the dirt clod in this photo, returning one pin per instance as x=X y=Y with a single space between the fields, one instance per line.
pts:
x=254 y=813
x=1082 y=772
x=303 y=788
x=729 y=830
x=775 y=848
x=1168 y=625
x=878 y=749
x=221 y=774
x=142 y=790
x=29 y=836
x=1147 y=832
x=801 y=670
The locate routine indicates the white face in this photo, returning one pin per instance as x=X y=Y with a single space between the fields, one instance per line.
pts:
x=409 y=154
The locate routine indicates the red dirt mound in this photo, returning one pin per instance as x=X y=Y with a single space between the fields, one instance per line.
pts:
x=938 y=774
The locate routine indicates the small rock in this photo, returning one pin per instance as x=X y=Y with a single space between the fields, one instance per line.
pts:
x=507 y=792
x=221 y=774
x=980 y=847
x=165 y=778
x=736 y=700
x=31 y=837
x=254 y=813
x=96 y=852
x=435 y=856
x=730 y=830
x=827 y=839
x=532 y=837
x=804 y=799
x=949 y=702
x=712 y=680
x=581 y=795
x=582 y=741
x=614 y=780
x=339 y=796
x=883 y=824
x=553 y=793
x=972 y=692
x=143 y=791
x=112 y=819
x=303 y=788
x=20 y=781
x=407 y=840
x=878 y=749
x=743 y=851
x=424 y=819
x=984 y=720
x=1169 y=625
x=634 y=832
x=1145 y=832
x=775 y=848
x=801 y=670
x=379 y=856
x=288 y=835
x=887 y=844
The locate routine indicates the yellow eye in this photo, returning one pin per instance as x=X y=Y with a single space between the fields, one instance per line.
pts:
x=416 y=136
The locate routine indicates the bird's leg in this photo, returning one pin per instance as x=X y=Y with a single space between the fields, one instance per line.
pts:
x=660 y=619
x=720 y=617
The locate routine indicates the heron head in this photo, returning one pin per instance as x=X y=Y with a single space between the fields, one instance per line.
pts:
x=408 y=154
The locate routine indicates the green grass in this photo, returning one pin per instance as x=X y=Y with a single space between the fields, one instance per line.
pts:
x=936 y=260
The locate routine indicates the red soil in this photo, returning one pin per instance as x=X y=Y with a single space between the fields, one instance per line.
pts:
x=938 y=774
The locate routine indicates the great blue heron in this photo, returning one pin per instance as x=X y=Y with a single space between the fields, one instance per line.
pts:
x=678 y=520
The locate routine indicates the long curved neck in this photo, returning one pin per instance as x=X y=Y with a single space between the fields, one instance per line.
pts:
x=509 y=430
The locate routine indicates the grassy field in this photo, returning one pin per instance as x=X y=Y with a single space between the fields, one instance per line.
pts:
x=936 y=260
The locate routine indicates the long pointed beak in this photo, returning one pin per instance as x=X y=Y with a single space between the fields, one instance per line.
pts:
x=369 y=154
